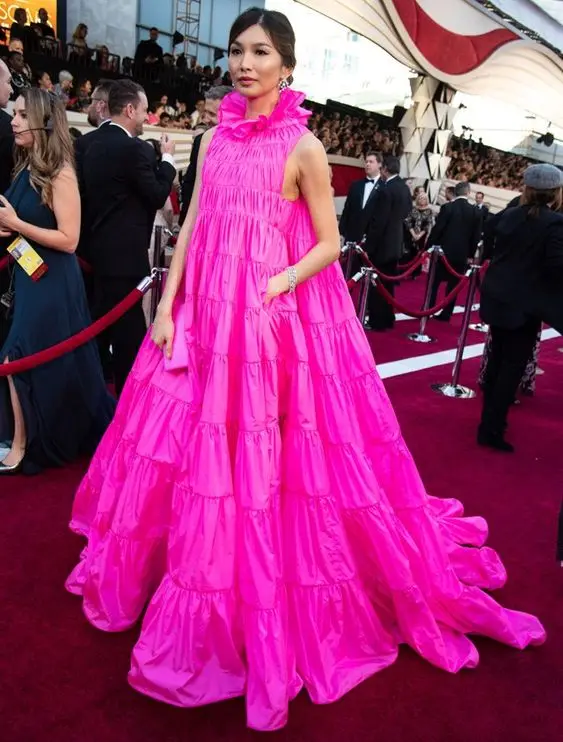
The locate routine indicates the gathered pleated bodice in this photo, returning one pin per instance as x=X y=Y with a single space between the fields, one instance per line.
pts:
x=241 y=205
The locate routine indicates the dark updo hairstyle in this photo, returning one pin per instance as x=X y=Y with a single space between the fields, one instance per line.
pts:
x=537 y=200
x=277 y=27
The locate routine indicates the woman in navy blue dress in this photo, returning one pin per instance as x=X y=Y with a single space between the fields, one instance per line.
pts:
x=53 y=413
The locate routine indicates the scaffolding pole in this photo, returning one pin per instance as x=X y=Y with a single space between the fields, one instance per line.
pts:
x=188 y=14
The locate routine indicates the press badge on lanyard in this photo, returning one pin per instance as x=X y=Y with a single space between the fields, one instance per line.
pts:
x=27 y=258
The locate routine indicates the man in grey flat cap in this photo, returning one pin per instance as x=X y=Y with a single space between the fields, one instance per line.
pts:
x=523 y=287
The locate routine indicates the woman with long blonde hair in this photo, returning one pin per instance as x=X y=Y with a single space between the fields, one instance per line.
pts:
x=78 y=41
x=53 y=412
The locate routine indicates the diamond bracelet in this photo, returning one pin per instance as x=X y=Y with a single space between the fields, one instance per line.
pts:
x=292 y=277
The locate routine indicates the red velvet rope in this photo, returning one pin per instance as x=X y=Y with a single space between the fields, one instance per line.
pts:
x=409 y=272
x=423 y=312
x=71 y=343
x=86 y=267
x=449 y=268
x=417 y=263
x=406 y=266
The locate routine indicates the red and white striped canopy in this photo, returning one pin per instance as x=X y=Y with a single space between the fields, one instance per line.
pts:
x=462 y=44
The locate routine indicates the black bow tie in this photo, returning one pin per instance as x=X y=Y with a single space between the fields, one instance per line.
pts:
x=370 y=180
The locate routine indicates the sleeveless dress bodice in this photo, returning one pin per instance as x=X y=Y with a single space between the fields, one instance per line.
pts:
x=256 y=491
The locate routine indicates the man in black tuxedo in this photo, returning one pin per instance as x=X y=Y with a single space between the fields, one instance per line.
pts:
x=122 y=190
x=457 y=231
x=359 y=202
x=482 y=208
x=213 y=98
x=98 y=116
x=385 y=238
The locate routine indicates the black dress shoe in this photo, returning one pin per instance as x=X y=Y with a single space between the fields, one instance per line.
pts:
x=442 y=318
x=494 y=440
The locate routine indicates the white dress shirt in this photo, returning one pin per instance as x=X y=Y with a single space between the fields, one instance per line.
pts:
x=368 y=189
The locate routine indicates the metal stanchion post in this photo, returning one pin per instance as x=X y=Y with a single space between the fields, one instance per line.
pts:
x=367 y=276
x=421 y=336
x=348 y=252
x=479 y=326
x=454 y=389
x=158 y=270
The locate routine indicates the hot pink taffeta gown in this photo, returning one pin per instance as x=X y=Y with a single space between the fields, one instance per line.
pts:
x=256 y=491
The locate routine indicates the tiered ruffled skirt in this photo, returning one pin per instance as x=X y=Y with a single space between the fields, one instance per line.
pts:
x=263 y=503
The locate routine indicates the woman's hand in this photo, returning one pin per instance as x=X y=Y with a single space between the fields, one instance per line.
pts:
x=162 y=333
x=9 y=220
x=277 y=285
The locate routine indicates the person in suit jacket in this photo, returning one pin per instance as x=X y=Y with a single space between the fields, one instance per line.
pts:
x=522 y=288
x=149 y=51
x=516 y=201
x=6 y=134
x=458 y=232
x=482 y=207
x=385 y=238
x=359 y=202
x=6 y=167
x=213 y=98
x=122 y=190
x=98 y=116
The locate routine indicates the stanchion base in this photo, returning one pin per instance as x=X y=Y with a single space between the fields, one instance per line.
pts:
x=418 y=338
x=479 y=327
x=454 y=391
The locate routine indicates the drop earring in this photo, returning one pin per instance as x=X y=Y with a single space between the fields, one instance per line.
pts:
x=283 y=84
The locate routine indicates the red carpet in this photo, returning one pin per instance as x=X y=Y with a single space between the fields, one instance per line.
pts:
x=62 y=681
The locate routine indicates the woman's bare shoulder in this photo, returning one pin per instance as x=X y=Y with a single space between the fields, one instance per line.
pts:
x=309 y=146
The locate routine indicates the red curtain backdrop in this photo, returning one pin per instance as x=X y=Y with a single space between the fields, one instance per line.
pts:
x=343 y=175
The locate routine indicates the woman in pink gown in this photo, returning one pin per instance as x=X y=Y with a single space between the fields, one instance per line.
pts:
x=254 y=488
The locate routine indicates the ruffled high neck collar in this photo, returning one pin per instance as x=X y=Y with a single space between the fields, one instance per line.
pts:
x=287 y=111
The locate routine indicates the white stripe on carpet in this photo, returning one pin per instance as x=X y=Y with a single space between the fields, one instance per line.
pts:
x=442 y=358
x=457 y=310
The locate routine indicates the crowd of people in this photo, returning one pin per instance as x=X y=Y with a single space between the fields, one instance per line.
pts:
x=341 y=133
x=354 y=135
x=37 y=58
x=476 y=163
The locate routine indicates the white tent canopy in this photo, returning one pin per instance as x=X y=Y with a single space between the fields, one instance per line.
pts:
x=463 y=45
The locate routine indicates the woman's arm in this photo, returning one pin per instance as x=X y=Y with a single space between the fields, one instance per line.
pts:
x=313 y=180
x=314 y=184
x=66 y=207
x=179 y=258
